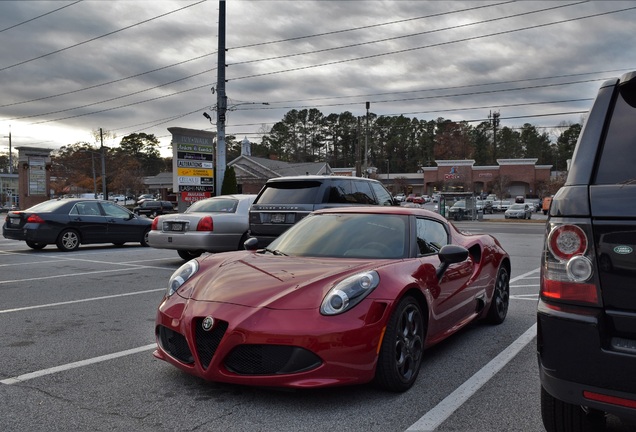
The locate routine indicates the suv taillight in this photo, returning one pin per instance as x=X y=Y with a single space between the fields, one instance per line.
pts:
x=205 y=224
x=155 y=224
x=568 y=273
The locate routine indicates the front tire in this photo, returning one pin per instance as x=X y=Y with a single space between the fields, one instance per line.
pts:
x=500 y=298
x=559 y=416
x=400 y=356
x=68 y=240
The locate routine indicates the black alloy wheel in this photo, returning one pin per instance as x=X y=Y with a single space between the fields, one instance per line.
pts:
x=400 y=357
x=500 y=298
x=68 y=240
x=35 y=245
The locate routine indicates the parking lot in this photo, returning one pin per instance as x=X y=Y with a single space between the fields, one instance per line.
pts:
x=78 y=336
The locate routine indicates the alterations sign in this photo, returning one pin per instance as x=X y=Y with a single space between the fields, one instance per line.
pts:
x=193 y=162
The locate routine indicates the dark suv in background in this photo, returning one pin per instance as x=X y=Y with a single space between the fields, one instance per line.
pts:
x=586 y=320
x=153 y=208
x=283 y=201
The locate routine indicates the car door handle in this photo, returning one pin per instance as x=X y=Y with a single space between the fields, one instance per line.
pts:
x=112 y=220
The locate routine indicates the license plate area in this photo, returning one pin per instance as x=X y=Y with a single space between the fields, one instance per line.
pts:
x=14 y=221
x=278 y=218
x=175 y=226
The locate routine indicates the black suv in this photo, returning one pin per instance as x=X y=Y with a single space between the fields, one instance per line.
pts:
x=586 y=320
x=153 y=208
x=283 y=201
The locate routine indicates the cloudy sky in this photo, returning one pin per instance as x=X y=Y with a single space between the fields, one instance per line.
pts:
x=68 y=68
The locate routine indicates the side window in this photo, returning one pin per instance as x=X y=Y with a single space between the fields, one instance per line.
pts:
x=364 y=193
x=86 y=209
x=618 y=158
x=431 y=236
x=384 y=197
x=340 y=192
x=115 y=211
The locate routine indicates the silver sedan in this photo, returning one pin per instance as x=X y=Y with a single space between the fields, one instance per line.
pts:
x=217 y=224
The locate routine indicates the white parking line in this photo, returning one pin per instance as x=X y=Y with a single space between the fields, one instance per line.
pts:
x=451 y=403
x=49 y=371
x=80 y=301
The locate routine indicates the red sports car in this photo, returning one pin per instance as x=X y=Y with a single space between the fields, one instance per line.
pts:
x=345 y=296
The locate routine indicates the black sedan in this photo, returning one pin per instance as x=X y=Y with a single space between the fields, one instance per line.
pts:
x=68 y=223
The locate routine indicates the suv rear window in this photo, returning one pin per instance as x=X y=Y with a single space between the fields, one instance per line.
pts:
x=618 y=158
x=290 y=192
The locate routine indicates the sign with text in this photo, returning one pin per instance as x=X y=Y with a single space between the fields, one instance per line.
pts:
x=186 y=188
x=193 y=162
x=195 y=172
x=191 y=197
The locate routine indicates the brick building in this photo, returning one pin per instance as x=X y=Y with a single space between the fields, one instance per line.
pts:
x=510 y=177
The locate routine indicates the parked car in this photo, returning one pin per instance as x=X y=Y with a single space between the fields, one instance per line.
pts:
x=586 y=316
x=534 y=203
x=415 y=199
x=283 y=201
x=400 y=197
x=458 y=211
x=153 y=208
x=143 y=197
x=520 y=199
x=218 y=224
x=67 y=223
x=518 y=211
x=500 y=206
x=346 y=296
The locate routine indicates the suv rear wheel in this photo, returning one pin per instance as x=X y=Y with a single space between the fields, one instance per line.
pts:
x=559 y=416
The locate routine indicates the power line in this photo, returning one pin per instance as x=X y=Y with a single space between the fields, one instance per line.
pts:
x=402 y=51
x=40 y=16
x=99 y=37
x=408 y=35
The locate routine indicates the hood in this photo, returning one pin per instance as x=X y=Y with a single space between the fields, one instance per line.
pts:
x=276 y=282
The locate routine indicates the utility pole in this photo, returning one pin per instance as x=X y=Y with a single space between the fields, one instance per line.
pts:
x=494 y=120
x=10 y=154
x=221 y=103
x=366 y=144
x=101 y=139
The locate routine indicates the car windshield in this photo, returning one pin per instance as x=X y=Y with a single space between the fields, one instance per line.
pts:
x=214 y=205
x=517 y=207
x=359 y=235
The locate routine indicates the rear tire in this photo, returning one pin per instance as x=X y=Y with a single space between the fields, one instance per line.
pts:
x=500 y=298
x=144 y=238
x=400 y=356
x=188 y=255
x=36 y=246
x=559 y=416
x=68 y=240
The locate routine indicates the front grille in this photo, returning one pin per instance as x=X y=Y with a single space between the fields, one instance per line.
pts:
x=270 y=360
x=175 y=344
x=208 y=341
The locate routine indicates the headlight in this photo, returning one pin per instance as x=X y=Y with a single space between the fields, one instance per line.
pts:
x=349 y=292
x=182 y=274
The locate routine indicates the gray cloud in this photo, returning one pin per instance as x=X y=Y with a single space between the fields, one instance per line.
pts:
x=456 y=60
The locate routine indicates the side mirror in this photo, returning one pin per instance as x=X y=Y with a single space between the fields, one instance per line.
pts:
x=251 y=243
x=450 y=254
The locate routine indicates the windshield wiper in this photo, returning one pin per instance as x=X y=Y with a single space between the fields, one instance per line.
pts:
x=275 y=252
